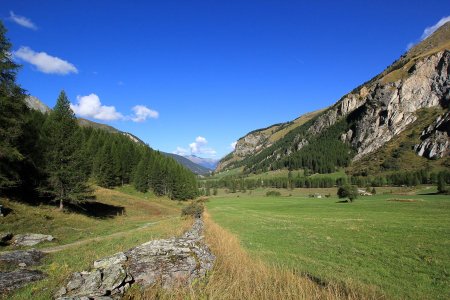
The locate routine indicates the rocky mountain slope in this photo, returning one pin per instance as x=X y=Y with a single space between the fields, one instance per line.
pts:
x=370 y=116
x=257 y=140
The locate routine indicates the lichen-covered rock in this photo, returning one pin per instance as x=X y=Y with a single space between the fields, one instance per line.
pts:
x=15 y=279
x=15 y=258
x=30 y=239
x=172 y=262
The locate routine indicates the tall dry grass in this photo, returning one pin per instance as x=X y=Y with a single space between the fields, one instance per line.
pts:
x=236 y=275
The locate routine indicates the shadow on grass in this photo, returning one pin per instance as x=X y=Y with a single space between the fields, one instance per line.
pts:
x=343 y=201
x=97 y=209
x=429 y=194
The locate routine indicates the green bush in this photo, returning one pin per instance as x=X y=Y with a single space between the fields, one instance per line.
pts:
x=348 y=191
x=273 y=194
x=194 y=209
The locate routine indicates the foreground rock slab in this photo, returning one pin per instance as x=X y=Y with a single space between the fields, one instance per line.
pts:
x=171 y=263
x=22 y=258
x=31 y=239
x=13 y=280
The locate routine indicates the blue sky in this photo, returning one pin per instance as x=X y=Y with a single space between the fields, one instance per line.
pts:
x=197 y=75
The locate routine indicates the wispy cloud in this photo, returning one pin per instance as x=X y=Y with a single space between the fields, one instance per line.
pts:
x=90 y=107
x=22 y=21
x=429 y=31
x=233 y=145
x=142 y=113
x=198 y=147
x=45 y=63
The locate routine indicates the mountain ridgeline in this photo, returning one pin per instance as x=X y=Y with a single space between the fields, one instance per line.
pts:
x=400 y=115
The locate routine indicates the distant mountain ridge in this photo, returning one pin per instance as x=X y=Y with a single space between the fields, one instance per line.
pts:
x=411 y=95
x=209 y=163
x=194 y=167
x=36 y=104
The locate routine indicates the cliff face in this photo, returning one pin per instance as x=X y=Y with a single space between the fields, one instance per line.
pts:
x=382 y=108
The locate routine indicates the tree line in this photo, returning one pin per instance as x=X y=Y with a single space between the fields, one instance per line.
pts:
x=237 y=183
x=51 y=156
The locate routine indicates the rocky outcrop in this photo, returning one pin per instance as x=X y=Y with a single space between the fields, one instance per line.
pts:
x=435 y=139
x=35 y=104
x=250 y=144
x=31 y=239
x=10 y=281
x=172 y=262
x=382 y=110
x=21 y=258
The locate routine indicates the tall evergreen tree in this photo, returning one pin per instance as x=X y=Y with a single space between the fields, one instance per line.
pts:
x=66 y=180
x=12 y=113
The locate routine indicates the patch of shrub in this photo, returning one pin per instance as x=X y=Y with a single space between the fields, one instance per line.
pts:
x=273 y=194
x=195 y=209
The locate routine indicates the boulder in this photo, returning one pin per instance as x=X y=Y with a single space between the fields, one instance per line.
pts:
x=31 y=239
x=13 y=280
x=18 y=258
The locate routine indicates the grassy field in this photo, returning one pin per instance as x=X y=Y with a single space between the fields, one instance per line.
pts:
x=126 y=218
x=397 y=244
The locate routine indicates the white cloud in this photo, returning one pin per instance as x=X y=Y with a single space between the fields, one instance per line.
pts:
x=201 y=140
x=429 y=30
x=91 y=107
x=181 y=151
x=45 y=63
x=22 y=21
x=198 y=147
x=233 y=145
x=142 y=113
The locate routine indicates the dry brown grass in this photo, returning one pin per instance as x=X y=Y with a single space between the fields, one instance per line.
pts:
x=237 y=275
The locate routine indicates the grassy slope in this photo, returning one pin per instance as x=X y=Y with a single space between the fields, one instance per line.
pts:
x=140 y=209
x=400 y=248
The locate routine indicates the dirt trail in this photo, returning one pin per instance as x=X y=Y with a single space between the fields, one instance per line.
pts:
x=100 y=238
x=96 y=239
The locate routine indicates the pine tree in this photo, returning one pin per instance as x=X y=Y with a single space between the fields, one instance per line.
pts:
x=12 y=113
x=66 y=180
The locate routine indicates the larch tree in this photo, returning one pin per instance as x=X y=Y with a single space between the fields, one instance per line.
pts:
x=12 y=115
x=66 y=181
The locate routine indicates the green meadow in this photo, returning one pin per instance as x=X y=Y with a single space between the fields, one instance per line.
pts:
x=396 y=242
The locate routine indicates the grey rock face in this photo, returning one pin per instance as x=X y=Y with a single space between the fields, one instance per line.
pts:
x=383 y=110
x=31 y=239
x=29 y=258
x=13 y=280
x=251 y=144
x=435 y=139
x=172 y=262
x=34 y=103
